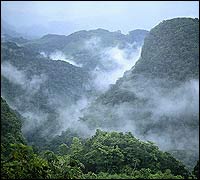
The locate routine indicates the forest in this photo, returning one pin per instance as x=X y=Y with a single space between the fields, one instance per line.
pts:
x=109 y=155
x=101 y=104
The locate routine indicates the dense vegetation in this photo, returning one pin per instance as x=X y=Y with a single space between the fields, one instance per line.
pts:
x=42 y=89
x=68 y=82
x=45 y=87
x=85 y=46
x=106 y=154
x=171 y=50
x=165 y=72
x=42 y=85
x=11 y=125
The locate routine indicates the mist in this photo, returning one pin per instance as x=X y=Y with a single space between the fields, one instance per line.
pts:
x=148 y=117
x=116 y=61
x=156 y=102
x=67 y=115
x=58 y=55
x=160 y=102
x=19 y=77
x=113 y=62
x=30 y=86
x=40 y=18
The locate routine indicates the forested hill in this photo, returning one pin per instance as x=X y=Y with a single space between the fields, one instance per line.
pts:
x=86 y=47
x=60 y=77
x=171 y=50
x=45 y=78
x=41 y=88
x=37 y=86
x=50 y=42
x=105 y=155
x=145 y=126
x=170 y=53
x=157 y=98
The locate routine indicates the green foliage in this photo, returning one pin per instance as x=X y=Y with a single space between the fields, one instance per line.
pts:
x=118 y=153
x=171 y=50
x=105 y=155
x=142 y=174
x=10 y=127
x=64 y=139
x=59 y=79
x=23 y=163
x=169 y=60
x=63 y=166
x=76 y=148
x=63 y=149
x=112 y=155
x=196 y=170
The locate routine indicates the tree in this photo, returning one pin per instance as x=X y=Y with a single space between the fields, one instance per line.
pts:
x=196 y=170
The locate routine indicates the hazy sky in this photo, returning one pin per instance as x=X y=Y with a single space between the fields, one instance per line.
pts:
x=111 y=15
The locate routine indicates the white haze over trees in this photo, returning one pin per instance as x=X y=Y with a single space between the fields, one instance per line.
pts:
x=19 y=77
x=117 y=61
x=30 y=86
x=58 y=55
x=178 y=102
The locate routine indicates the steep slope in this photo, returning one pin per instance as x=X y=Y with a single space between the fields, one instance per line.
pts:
x=11 y=125
x=85 y=47
x=42 y=89
x=38 y=87
x=158 y=98
x=68 y=80
x=171 y=50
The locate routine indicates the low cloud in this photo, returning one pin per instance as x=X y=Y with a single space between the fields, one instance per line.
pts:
x=167 y=116
x=59 y=55
x=69 y=116
x=115 y=62
x=13 y=74
x=19 y=77
x=93 y=44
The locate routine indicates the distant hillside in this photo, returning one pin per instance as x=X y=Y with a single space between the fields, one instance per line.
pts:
x=137 y=35
x=37 y=87
x=64 y=75
x=35 y=84
x=85 y=47
x=158 y=98
x=108 y=38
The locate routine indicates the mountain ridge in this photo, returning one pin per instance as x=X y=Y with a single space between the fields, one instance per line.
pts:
x=159 y=92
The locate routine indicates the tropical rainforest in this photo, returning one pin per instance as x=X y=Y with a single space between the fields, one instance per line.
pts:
x=101 y=105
